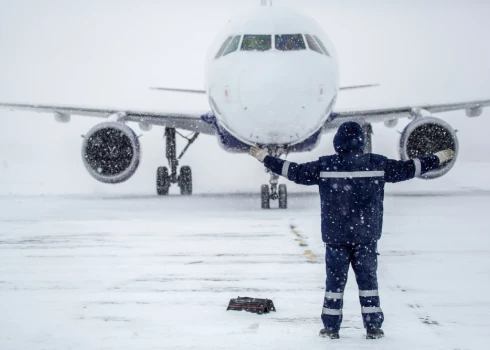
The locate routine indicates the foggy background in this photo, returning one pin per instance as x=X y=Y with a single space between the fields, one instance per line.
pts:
x=107 y=53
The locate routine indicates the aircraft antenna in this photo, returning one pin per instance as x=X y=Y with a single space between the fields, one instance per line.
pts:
x=266 y=2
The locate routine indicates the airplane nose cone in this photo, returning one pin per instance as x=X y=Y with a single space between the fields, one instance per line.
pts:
x=275 y=100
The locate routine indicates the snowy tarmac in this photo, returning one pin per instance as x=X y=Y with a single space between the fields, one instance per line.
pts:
x=141 y=272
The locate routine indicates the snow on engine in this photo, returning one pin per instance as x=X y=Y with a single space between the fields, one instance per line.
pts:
x=426 y=136
x=111 y=152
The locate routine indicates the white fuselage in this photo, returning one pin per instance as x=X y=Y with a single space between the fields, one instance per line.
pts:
x=274 y=83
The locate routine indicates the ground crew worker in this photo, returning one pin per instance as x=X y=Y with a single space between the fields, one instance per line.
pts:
x=351 y=186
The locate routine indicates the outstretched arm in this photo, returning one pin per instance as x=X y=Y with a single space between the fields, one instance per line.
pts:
x=303 y=174
x=397 y=170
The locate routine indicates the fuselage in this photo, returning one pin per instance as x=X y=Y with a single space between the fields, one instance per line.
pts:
x=272 y=77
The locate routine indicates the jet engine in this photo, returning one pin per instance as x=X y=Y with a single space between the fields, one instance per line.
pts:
x=111 y=152
x=426 y=136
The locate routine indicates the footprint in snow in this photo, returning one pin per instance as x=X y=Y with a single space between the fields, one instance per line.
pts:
x=254 y=327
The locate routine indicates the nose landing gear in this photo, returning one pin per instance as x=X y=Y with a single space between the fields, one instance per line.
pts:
x=274 y=191
x=166 y=179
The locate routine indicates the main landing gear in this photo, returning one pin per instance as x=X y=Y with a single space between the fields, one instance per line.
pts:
x=166 y=179
x=274 y=191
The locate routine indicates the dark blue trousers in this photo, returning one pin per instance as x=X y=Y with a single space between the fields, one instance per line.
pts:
x=364 y=261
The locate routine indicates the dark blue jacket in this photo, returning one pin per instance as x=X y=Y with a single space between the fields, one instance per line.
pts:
x=351 y=185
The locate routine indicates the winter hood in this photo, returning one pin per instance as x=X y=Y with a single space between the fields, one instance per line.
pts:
x=349 y=138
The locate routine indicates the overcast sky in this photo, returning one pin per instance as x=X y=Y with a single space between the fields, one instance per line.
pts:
x=107 y=53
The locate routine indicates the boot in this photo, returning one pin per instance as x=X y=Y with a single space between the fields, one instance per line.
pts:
x=374 y=333
x=327 y=333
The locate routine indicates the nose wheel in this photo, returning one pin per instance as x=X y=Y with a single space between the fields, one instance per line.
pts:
x=283 y=197
x=274 y=192
x=265 y=194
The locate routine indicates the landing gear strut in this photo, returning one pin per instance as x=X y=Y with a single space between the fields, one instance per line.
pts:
x=368 y=133
x=166 y=179
x=274 y=191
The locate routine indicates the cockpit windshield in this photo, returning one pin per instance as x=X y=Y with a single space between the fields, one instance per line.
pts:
x=312 y=44
x=290 y=42
x=233 y=45
x=256 y=43
x=223 y=47
x=321 y=45
x=263 y=42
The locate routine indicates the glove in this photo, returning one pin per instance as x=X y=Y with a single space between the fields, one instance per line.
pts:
x=445 y=156
x=258 y=153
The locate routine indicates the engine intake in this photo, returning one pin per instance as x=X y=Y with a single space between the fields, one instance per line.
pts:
x=426 y=136
x=111 y=152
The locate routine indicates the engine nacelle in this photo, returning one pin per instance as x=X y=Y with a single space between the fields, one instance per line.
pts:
x=62 y=117
x=111 y=152
x=391 y=123
x=474 y=112
x=426 y=136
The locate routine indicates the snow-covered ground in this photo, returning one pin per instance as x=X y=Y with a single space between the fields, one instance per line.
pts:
x=140 y=272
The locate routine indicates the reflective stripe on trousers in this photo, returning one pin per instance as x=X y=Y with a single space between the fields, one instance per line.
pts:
x=370 y=310
x=331 y=295
x=368 y=293
x=332 y=312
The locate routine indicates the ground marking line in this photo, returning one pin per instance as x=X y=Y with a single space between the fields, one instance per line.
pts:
x=309 y=255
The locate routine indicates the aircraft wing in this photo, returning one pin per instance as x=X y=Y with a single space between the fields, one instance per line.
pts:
x=202 y=91
x=356 y=87
x=190 y=91
x=472 y=108
x=185 y=121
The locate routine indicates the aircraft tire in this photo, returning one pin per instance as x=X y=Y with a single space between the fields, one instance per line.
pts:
x=265 y=196
x=283 y=197
x=185 y=181
x=163 y=181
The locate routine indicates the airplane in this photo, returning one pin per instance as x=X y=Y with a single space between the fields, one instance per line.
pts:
x=272 y=80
